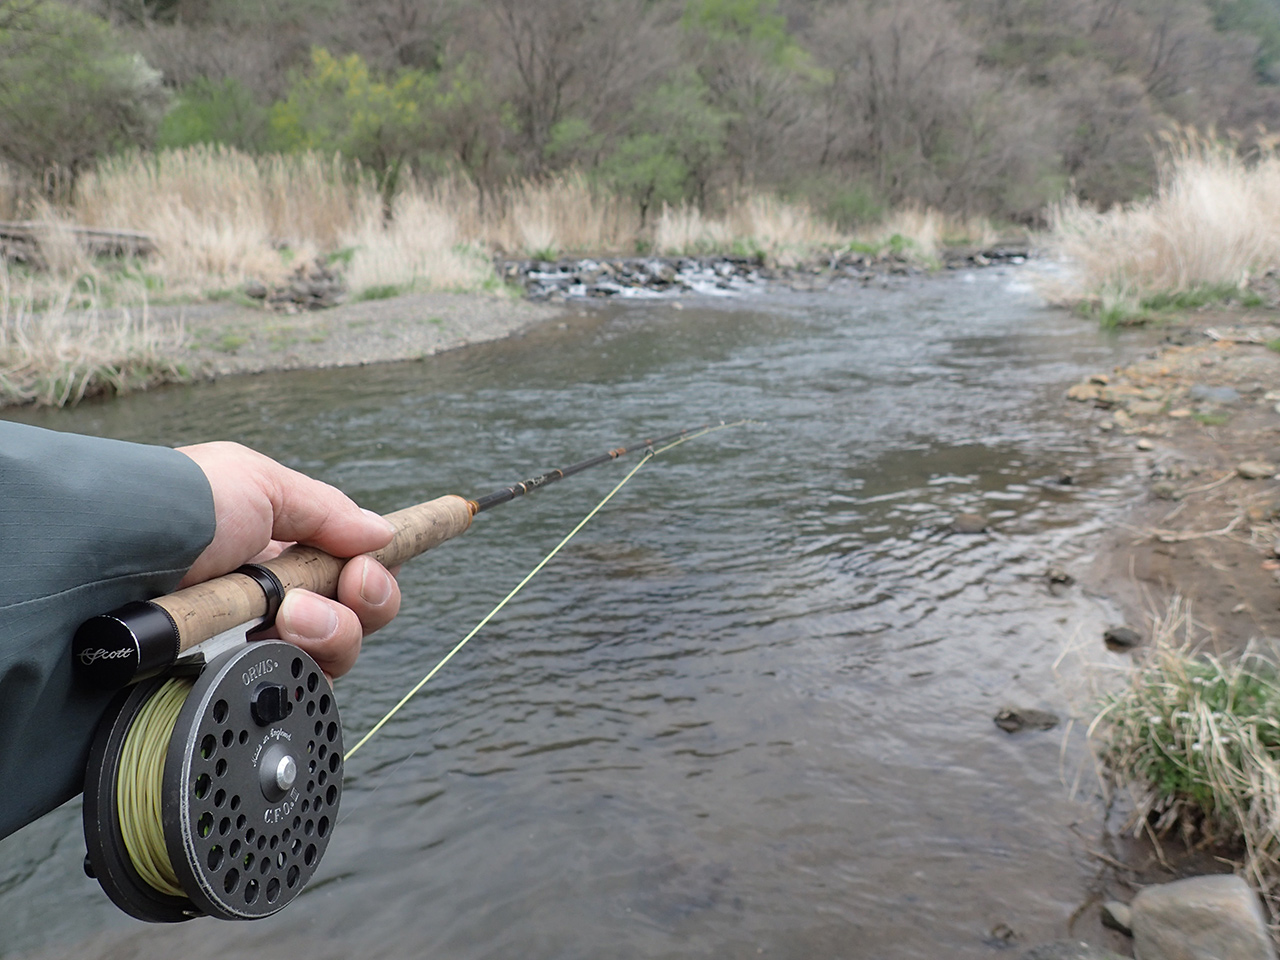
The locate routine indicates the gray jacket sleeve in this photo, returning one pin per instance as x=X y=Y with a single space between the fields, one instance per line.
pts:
x=86 y=524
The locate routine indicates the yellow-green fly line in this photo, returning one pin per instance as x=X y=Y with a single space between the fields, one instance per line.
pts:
x=649 y=455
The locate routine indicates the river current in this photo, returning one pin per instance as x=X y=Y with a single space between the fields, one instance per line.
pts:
x=748 y=711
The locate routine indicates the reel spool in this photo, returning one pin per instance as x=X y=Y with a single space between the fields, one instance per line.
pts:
x=248 y=796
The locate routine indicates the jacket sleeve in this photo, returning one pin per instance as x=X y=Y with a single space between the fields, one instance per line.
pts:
x=86 y=524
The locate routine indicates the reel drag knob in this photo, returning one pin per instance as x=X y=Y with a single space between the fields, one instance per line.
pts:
x=252 y=778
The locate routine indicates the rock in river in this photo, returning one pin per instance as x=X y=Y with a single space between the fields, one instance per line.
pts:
x=969 y=523
x=1015 y=719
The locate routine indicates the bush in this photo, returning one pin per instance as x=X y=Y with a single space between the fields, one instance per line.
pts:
x=212 y=112
x=69 y=93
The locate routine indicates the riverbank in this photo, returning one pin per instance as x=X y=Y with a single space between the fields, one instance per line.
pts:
x=1200 y=415
x=61 y=354
x=1198 y=555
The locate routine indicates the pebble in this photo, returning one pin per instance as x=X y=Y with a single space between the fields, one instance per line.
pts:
x=1146 y=408
x=1121 y=638
x=1256 y=469
x=1117 y=916
x=1200 y=391
x=1145 y=444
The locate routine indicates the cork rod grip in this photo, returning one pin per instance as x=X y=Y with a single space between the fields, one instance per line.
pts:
x=207 y=609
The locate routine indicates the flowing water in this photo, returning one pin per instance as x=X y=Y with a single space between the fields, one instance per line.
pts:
x=748 y=711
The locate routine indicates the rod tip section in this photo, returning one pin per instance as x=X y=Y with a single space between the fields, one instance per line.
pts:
x=127 y=644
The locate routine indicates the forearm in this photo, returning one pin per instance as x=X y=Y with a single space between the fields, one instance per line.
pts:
x=85 y=525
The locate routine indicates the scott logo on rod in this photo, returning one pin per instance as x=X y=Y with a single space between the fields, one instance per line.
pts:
x=88 y=657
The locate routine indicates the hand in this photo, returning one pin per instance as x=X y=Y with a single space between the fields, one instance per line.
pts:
x=262 y=507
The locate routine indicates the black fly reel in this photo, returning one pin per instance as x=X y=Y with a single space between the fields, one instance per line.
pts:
x=248 y=796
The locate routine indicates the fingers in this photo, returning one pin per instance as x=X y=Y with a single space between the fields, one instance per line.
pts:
x=331 y=631
x=257 y=501
x=314 y=513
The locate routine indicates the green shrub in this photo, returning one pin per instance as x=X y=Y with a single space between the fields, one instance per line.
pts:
x=209 y=111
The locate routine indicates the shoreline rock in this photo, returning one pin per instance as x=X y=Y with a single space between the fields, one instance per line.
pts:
x=653 y=277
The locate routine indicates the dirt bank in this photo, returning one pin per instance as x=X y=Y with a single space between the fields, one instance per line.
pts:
x=1199 y=414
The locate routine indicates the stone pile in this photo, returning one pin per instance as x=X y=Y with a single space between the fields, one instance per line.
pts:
x=653 y=277
x=313 y=286
x=633 y=277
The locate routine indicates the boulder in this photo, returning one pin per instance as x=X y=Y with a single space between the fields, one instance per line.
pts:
x=1200 y=918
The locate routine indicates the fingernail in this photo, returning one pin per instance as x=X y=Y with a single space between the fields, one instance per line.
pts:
x=381 y=519
x=375 y=585
x=306 y=615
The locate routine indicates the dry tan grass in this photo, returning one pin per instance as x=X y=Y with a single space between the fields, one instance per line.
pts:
x=685 y=230
x=58 y=355
x=220 y=218
x=1214 y=221
x=923 y=232
x=561 y=216
x=420 y=248
x=784 y=233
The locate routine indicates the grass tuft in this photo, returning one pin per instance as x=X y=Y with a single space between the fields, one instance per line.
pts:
x=1196 y=741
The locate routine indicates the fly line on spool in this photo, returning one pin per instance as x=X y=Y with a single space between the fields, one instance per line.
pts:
x=140 y=782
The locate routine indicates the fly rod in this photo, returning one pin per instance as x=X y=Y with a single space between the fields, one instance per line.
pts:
x=213 y=783
x=142 y=639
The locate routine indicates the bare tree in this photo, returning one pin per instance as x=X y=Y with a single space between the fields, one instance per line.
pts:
x=910 y=108
x=563 y=59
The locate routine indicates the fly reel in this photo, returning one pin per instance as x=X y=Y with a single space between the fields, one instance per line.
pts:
x=215 y=793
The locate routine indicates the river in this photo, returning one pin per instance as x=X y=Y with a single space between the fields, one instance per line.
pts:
x=748 y=711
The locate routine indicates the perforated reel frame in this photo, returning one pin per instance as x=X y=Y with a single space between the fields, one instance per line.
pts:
x=251 y=787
